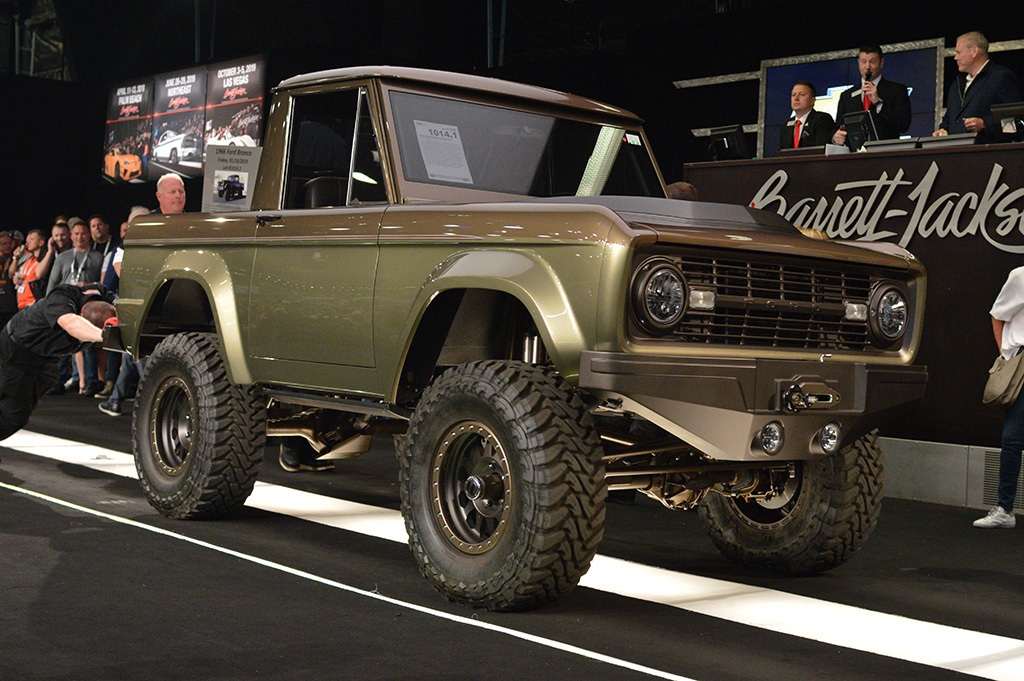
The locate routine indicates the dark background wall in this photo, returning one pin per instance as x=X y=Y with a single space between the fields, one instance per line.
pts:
x=625 y=53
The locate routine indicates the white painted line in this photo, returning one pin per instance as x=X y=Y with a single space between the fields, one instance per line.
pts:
x=985 y=655
x=458 y=619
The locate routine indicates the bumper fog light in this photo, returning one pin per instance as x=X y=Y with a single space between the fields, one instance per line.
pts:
x=831 y=437
x=772 y=437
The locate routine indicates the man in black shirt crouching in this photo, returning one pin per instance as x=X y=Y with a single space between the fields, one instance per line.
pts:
x=37 y=337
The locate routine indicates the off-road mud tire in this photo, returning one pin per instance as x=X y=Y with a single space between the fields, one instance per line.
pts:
x=834 y=511
x=198 y=439
x=552 y=492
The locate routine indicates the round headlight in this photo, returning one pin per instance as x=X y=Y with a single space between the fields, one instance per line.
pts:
x=659 y=295
x=889 y=314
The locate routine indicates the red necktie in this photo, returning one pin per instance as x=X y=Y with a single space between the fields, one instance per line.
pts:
x=796 y=135
x=867 y=102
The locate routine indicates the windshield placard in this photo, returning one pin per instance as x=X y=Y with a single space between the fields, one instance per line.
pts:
x=443 y=155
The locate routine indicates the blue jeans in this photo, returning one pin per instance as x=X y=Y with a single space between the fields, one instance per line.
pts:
x=126 y=378
x=1009 y=456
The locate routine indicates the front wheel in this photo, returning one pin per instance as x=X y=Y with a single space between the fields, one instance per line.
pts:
x=502 y=485
x=198 y=438
x=825 y=512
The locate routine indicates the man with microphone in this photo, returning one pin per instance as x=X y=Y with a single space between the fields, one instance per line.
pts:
x=887 y=101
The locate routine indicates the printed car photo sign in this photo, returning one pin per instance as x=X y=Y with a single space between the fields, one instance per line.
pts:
x=230 y=175
x=179 y=102
x=127 y=139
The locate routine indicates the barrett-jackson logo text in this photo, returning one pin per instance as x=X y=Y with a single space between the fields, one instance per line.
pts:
x=861 y=208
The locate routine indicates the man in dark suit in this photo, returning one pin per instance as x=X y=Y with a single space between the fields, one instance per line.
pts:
x=807 y=128
x=979 y=85
x=888 y=101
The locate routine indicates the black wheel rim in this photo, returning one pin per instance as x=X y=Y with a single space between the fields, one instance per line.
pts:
x=471 y=487
x=769 y=514
x=172 y=425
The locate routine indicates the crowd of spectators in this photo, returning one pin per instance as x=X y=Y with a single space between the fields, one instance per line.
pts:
x=79 y=252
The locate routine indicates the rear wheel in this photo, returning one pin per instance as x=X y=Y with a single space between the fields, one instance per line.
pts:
x=824 y=513
x=502 y=485
x=198 y=438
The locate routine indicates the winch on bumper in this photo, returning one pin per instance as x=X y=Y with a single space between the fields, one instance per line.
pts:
x=723 y=406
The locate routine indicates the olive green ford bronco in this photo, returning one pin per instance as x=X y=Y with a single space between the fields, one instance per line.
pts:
x=491 y=273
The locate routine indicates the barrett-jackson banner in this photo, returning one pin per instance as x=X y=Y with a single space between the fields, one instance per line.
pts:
x=234 y=103
x=959 y=210
x=129 y=121
x=163 y=124
x=179 y=105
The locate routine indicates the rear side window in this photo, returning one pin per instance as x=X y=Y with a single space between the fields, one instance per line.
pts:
x=471 y=145
x=334 y=159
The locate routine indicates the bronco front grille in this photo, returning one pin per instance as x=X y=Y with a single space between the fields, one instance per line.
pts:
x=772 y=304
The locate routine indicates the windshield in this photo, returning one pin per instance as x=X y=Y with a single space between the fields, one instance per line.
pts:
x=476 y=146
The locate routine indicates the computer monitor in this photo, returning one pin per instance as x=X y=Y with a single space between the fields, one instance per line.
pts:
x=1009 y=121
x=728 y=142
x=860 y=128
x=818 y=150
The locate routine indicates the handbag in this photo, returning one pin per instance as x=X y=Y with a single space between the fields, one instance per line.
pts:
x=1005 y=379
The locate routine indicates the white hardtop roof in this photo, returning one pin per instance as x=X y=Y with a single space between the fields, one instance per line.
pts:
x=456 y=80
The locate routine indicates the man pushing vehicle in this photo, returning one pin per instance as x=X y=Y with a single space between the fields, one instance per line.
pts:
x=37 y=337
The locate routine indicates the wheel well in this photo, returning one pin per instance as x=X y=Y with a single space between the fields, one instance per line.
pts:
x=465 y=325
x=180 y=305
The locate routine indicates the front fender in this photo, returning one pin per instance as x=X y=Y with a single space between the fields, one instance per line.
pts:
x=561 y=301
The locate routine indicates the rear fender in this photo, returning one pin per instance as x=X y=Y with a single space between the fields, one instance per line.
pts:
x=198 y=267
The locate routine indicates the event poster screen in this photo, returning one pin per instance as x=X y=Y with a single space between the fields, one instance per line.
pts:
x=914 y=68
x=179 y=105
x=163 y=124
x=234 y=103
x=129 y=128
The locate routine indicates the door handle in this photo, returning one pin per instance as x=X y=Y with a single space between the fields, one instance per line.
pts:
x=263 y=218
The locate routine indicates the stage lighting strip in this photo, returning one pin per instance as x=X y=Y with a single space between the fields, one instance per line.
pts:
x=984 y=655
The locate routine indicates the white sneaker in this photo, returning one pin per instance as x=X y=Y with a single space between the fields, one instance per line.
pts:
x=997 y=517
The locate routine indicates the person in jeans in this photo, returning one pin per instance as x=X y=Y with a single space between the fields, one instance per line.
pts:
x=1008 y=326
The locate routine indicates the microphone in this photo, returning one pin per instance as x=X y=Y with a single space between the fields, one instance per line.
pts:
x=867 y=76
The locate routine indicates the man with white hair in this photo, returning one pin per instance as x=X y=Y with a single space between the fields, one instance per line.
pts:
x=170 y=194
x=980 y=84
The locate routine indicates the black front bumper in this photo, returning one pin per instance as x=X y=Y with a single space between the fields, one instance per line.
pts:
x=720 y=405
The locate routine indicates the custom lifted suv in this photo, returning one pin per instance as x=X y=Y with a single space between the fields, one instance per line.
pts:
x=492 y=272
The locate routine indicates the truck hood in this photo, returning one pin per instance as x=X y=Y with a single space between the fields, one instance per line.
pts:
x=734 y=227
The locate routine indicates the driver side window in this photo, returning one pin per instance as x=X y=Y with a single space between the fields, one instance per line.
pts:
x=333 y=154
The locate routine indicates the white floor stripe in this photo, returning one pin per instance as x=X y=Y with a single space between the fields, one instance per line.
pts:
x=985 y=655
x=540 y=640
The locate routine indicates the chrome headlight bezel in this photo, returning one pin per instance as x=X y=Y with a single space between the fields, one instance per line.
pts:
x=656 y=308
x=888 y=314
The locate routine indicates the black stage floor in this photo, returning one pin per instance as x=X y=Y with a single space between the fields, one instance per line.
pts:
x=94 y=584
